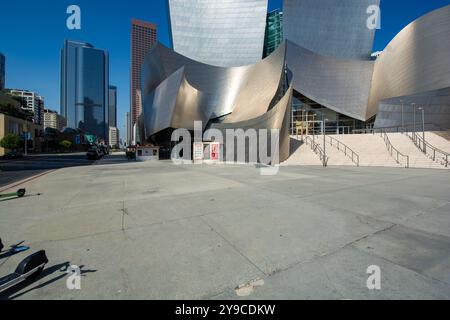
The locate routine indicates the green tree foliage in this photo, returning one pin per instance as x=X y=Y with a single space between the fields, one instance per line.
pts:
x=11 y=141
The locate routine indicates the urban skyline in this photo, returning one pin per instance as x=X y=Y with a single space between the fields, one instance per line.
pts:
x=394 y=18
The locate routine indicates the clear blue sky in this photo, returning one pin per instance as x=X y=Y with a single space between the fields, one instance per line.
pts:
x=32 y=34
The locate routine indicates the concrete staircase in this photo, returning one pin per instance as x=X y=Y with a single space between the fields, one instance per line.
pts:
x=335 y=156
x=371 y=149
x=438 y=141
x=301 y=155
x=417 y=159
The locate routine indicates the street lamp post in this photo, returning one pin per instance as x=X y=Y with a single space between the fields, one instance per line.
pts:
x=324 y=141
x=423 y=129
x=403 y=118
x=414 y=108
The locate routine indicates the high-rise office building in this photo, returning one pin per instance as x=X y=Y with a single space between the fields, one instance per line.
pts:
x=143 y=37
x=2 y=71
x=112 y=106
x=274 y=32
x=128 y=137
x=85 y=88
x=34 y=103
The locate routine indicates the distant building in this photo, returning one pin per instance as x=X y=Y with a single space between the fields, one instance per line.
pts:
x=9 y=124
x=274 y=32
x=85 y=88
x=128 y=127
x=2 y=71
x=34 y=103
x=113 y=137
x=53 y=120
x=143 y=37
x=112 y=113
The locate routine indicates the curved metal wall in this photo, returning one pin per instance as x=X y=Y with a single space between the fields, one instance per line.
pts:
x=240 y=92
x=340 y=85
x=330 y=27
x=278 y=118
x=223 y=33
x=416 y=60
x=398 y=111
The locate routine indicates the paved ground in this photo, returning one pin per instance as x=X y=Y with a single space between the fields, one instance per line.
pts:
x=12 y=171
x=159 y=231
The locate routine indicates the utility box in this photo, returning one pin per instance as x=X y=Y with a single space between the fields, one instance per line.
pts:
x=147 y=154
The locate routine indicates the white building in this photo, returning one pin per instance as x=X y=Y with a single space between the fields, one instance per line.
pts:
x=113 y=137
x=34 y=103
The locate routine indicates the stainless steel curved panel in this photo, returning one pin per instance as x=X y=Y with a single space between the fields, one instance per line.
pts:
x=330 y=27
x=341 y=85
x=225 y=33
x=398 y=111
x=173 y=104
x=244 y=92
x=416 y=60
x=276 y=118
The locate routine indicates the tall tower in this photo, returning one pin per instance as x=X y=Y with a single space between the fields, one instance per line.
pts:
x=85 y=88
x=143 y=37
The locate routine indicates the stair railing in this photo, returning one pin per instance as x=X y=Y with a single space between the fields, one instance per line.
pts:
x=437 y=155
x=345 y=149
x=315 y=147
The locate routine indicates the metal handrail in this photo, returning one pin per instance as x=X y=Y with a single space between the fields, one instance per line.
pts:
x=346 y=150
x=425 y=146
x=317 y=150
x=389 y=145
x=392 y=149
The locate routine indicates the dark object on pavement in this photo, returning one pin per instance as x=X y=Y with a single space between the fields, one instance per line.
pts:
x=94 y=154
x=19 y=193
x=14 y=249
x=30 y=267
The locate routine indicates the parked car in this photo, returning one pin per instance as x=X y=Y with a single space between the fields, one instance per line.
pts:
x=94 y=154
x=12 y=155
x=104 y=149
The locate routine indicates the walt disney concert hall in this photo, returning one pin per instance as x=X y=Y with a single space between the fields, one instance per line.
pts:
x=216 y=72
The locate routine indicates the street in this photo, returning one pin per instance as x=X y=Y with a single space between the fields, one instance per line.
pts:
x=12 y=171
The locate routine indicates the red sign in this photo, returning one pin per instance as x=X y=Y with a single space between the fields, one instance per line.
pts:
x=215 y=151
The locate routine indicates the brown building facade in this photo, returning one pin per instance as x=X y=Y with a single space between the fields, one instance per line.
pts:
x=143 y=37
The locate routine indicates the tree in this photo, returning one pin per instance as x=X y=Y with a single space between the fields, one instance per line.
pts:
x=66 y=145
x=11 y=141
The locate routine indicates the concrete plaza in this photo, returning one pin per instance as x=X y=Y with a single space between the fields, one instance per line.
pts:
x=160 y=231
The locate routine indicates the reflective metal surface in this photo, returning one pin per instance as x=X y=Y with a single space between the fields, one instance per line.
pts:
x=340 y=85
x=225 y=33
x=240 y=92
x=278 y=118
x=330 y=27
x=416 y=60
x=399 y=111
x=178 y=91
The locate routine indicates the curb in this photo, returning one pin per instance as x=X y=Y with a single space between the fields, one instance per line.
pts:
x=16 y=184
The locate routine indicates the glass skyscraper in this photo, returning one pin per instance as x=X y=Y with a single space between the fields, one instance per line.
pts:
x=85 y=88
x=112 y=106
x=274 y=32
